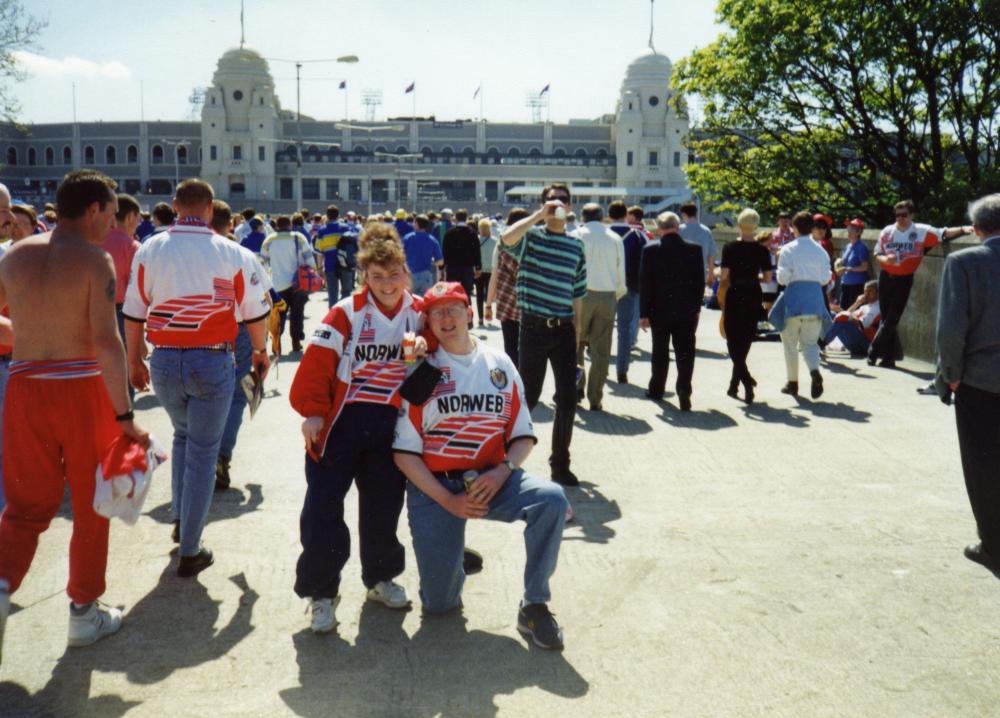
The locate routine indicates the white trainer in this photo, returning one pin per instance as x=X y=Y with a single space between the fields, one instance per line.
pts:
x=390 y=594
x=94 y=625
x=4 y=612
x=323 y=618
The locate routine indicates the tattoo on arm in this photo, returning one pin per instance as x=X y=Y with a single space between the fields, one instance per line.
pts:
x=109 y=291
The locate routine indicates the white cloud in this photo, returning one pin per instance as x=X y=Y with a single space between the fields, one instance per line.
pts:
x=71 y=67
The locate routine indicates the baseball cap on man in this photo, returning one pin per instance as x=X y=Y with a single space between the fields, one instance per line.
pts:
x=855 y=223
x=817 y=218
x=444 y=292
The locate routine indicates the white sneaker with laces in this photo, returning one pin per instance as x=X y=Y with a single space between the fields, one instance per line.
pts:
x=4 y=612
x=94 y=625
x=390 y=594
x=323 y=618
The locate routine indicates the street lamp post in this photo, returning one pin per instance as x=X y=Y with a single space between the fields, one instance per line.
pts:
x=370 y=129
x=177 y=160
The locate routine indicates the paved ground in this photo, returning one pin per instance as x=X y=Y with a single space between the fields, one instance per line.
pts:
x=791 y=558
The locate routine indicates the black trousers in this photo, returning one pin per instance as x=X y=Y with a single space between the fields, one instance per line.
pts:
x=848 y=293
x=893 y=293
x=682 y=334
x=482 y=284
x=295 y=315
x=977 y=416
x=464 y=276
x=359 y=449
x=511 y=334
x=540 y=345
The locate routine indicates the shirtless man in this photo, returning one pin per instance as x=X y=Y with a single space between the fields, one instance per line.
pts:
x=6 y=332
x=67 y=391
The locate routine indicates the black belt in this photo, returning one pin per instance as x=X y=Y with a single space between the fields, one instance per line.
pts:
x=6 y=357
x=224 y=347
x=453 y=474
x=547 y=322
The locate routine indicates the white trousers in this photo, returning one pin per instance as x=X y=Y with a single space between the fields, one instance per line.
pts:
x=801 y=335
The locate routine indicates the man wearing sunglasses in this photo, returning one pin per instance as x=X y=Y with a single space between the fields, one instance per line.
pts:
x=899 y=251
x=461 y=450
x=551 y=284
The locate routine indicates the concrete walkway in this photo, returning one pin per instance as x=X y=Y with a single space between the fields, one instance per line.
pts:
x=790 y=558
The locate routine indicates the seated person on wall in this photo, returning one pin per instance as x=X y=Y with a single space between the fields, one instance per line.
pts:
x=475 y=427
x=856 y=326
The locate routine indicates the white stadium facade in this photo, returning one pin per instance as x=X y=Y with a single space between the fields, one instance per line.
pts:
x=246 y=146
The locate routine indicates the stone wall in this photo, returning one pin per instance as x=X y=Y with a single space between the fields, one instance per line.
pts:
x=917 y=327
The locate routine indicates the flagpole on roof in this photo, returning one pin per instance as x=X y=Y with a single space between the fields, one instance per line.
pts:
x=242 y=29
x=481 y=101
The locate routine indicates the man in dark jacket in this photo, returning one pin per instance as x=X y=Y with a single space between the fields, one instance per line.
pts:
x=461 y=253
x=671 y=287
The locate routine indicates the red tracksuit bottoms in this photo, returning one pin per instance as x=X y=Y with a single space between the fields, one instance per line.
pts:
x=58 y=421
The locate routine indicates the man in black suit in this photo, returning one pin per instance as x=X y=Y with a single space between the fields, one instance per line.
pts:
x=671 y=289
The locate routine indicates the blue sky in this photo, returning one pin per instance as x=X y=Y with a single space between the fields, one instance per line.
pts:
x=514 y=47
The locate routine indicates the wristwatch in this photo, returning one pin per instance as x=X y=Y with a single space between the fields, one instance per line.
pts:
x=510 y=465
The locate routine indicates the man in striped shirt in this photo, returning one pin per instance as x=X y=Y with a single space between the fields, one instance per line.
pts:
x=551 y=284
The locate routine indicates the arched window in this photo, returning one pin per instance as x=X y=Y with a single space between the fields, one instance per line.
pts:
x=513 y=152
x=32 y=156
x=12 y=156
x=360 y=150
x=182 y=155
x=110 y=155
x=401 y=150
x=67 y=155
x=426 y=151
x=580 y=153
x=447 y=150
x=157 y=154
x=132 y=155
x=50 y=156
x=601 y=154
x=559 y=152
x=88 y=155
x=468 y=151
x=382 y=148
x=312 y=149
x=534 y=152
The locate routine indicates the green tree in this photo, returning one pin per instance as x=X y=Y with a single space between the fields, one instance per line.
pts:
x=846 y=106
x=18 y=31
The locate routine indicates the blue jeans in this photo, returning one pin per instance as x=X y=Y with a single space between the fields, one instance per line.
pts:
x=4 y=367
x=195 y=386
x=439 y=537
x=244 y=355
x=627 y=323
x=339 y=279
x=850 y=336
x=422 y=281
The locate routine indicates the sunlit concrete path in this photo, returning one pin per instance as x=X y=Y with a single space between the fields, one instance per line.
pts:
x=789 y=558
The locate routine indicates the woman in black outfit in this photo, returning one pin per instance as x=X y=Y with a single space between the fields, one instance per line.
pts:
x=744 y=265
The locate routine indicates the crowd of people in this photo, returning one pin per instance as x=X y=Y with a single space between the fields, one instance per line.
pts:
x=397 y=395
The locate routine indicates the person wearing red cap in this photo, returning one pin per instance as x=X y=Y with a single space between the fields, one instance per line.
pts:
x=823 y=234
x=475 y=422
x=854 y=265
x=899 y=251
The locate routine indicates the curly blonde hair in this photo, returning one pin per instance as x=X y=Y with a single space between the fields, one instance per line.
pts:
x=379 y=244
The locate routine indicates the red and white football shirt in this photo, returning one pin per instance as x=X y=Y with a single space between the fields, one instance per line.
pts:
x=908 y=245
x=191 y=286
x=474 y=414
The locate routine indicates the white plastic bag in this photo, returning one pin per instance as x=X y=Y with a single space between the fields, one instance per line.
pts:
x=122 y=495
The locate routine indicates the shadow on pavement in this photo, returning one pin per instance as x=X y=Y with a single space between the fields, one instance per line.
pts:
x=925 y=376
x=759 y=411
x=711 y=420
x=542 y=413
x=629 y=391
x=592 y=512
x=840 y=410
x=706 y=354
x=229 y=504
x=604 y=422
x=146 y=400
x=171 y=628
x=838 y=368
x=442 y=670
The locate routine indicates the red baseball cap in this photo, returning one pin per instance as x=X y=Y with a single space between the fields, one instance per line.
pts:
x=443 y=292
x=817 y=218
x=855 y=223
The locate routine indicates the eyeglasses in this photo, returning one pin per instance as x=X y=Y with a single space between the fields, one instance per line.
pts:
x=453 y=310
x=902 y=215
x=561 y=198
